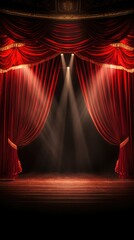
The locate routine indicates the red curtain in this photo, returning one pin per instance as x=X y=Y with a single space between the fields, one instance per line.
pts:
x=115 y=54
x=108 y=94
x=17 y=53
x=26 y=41
x=25 y=98
x=101 y=31
x=43 y=39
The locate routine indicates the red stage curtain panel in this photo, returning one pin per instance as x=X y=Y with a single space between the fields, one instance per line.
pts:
x=13 y=54
x=115 y=54
x=33 y=40
x=108 y=94
x=26 y=96
x=101 y=31
x=64 y=36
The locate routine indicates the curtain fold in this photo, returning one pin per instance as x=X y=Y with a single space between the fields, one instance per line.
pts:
x=25 y=101
x=108 y=94
x=113 y=55
x=24 y=55
x=108 y=30
x=89 y=39
x=24 y=42
x=102 y=31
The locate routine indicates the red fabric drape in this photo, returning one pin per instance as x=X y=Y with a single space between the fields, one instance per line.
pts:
x=109 y=98
x=30 y=40
x=129 y=39
x=15 y=53
x=25 y=100
x=88 y=39
x=102 y=31
x=25 y=54
x=118 y=56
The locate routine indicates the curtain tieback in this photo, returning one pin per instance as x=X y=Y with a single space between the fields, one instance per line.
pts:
x=122 y=144
x=13 y=145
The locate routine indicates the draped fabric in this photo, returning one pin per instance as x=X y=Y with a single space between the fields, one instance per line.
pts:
x=102 y=31
x=89 y=39
x=111 y=54
x=129 y=39
x=26 y=42
x=25 y=100
x=108 y=94
x=17 y=53
x=108 y=30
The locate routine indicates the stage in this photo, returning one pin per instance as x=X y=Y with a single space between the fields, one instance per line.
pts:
x=66 y=194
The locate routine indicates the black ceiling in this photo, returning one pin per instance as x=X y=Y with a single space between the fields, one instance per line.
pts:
x=67 y=6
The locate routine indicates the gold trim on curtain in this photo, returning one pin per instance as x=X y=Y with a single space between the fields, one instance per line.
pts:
x=13 y=45
x=122 y=45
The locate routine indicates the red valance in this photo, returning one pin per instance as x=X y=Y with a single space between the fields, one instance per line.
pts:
x=91 y=39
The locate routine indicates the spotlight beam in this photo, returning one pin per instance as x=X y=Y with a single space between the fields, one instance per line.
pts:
x=81 y=150
x=57 y=126
x=60 y=123
x=71 y=62
x=63 y=64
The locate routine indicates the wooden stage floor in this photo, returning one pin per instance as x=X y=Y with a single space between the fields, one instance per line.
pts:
x=67 y=194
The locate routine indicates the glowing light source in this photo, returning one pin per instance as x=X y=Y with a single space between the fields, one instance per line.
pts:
x=71 y=62
x=68 y=67
x=63 y=64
